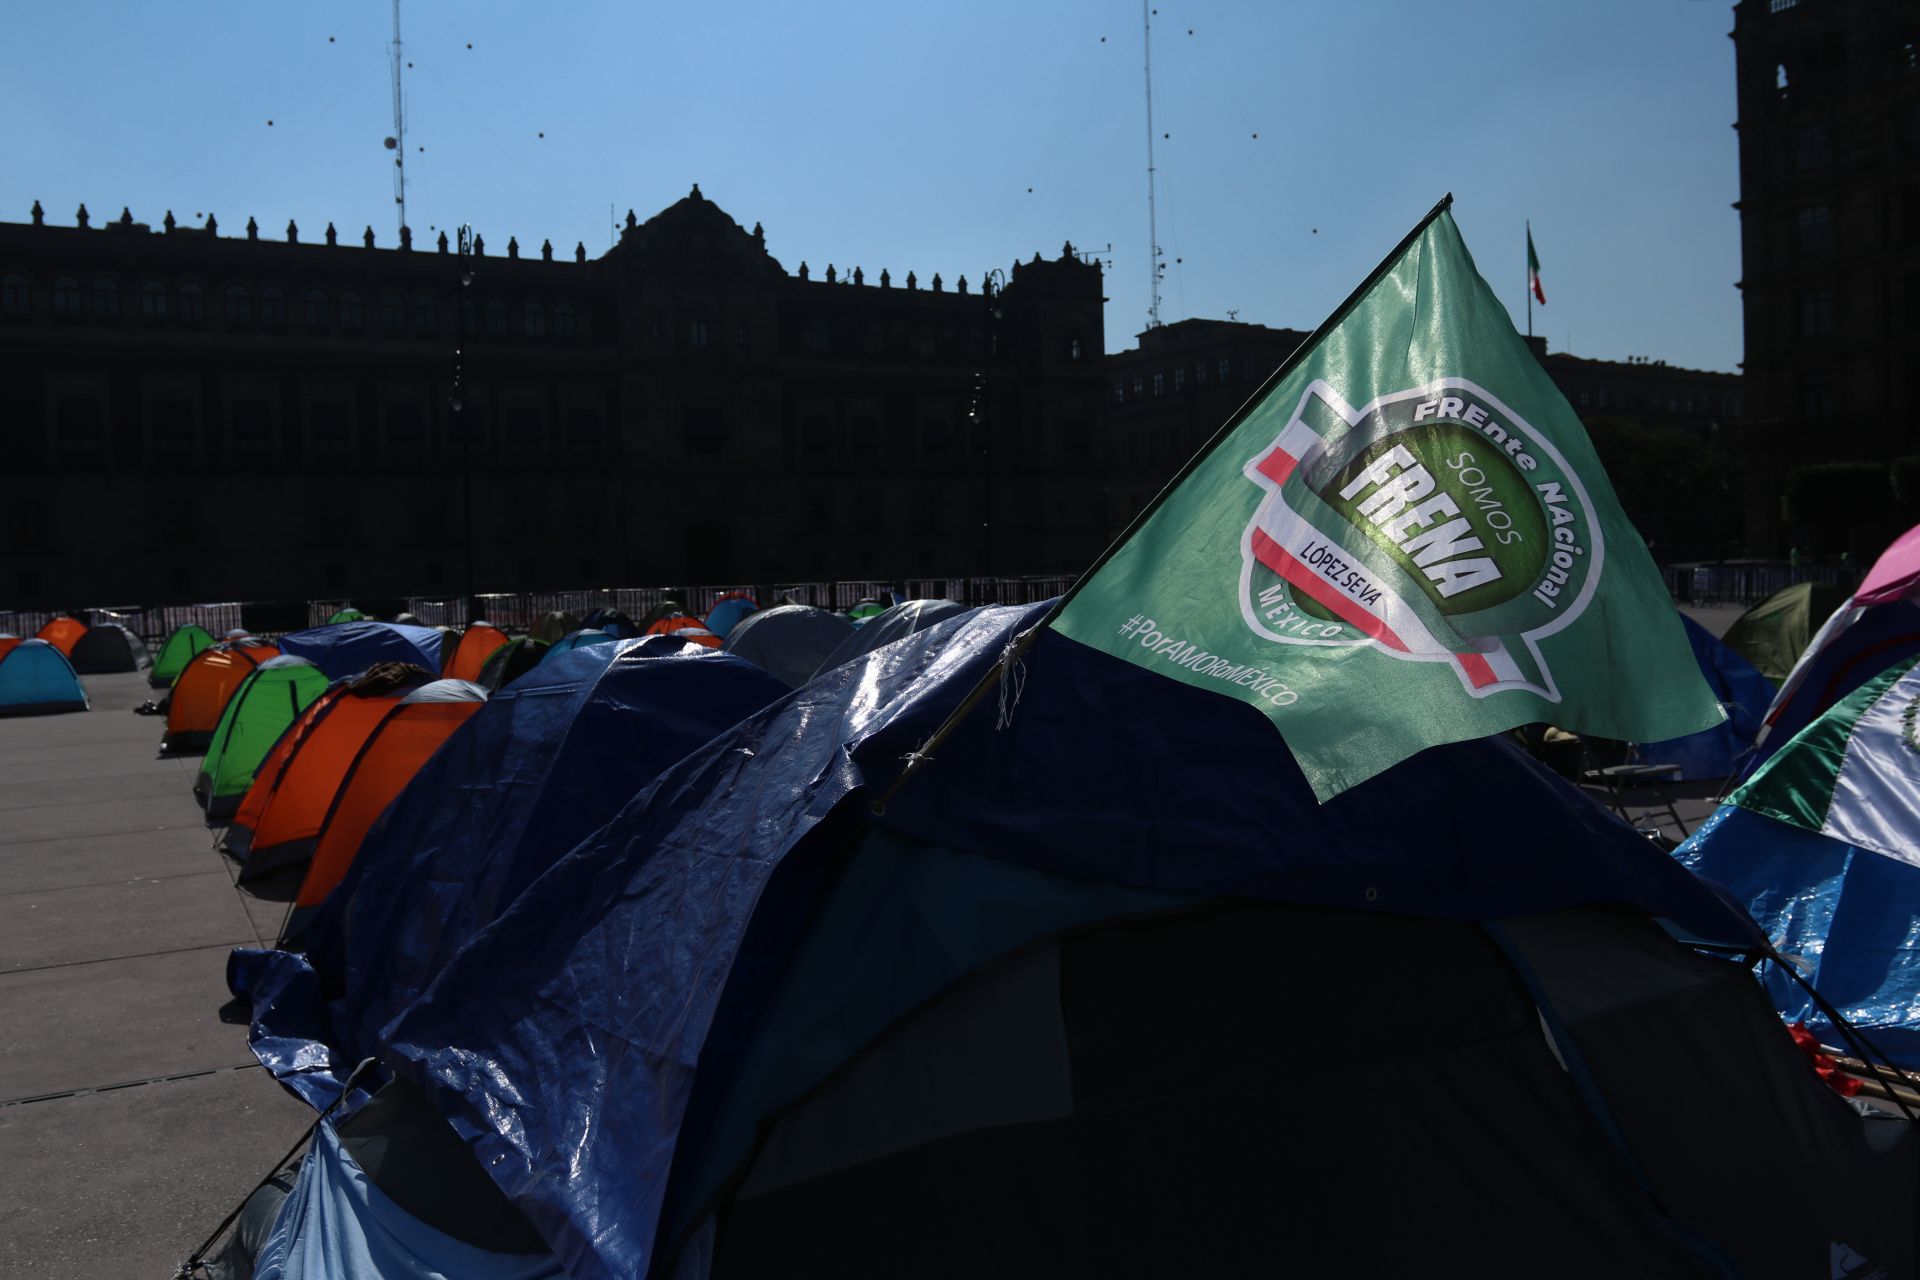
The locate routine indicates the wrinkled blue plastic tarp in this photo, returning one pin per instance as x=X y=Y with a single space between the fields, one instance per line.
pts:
x=348 y=648
x=1848 y=917
x=549 y=759
x=565 y=1039
x=1741 y=689
x=896 y=623
x=336 y=1225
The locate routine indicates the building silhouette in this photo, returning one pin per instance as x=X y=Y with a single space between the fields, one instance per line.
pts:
x=1829 y=128
x=190 y=414
x=1167 y=396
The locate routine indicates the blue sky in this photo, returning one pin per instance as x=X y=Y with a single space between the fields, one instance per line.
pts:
x=948 y=137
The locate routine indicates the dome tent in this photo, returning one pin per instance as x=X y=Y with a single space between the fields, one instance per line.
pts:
x=62 y=633
x=285 y=809
x=466 y=657
x=269 y=700
x=509 y=662
x=789 y=640
x=178 y=650
x=393 y=752
x=727 y=612
x=108 y=647
x=554 y=625
x=582 y=638
x=37 y=679
x=200 y=695
x=1057 y=1002
x=348 y=614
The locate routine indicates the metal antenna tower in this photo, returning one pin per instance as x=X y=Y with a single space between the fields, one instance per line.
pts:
x=1153 y=218
x=399 y=139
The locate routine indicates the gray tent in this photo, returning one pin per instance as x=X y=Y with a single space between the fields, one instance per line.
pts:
x=789 y=642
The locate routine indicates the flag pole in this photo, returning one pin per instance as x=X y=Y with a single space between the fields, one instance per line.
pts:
x=1018 y=646
x=1529 y=289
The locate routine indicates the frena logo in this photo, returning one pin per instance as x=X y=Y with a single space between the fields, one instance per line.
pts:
x=1434 y=525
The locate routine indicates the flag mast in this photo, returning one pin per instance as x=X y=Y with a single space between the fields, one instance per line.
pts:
x=399 y=138
x=1529 y=279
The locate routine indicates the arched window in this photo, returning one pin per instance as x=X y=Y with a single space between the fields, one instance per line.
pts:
x=14 y=299
x=697 y=335
x=426 y=314
x=536 y=320
x=563 y=322
x=352 y=314
x=239 y=305
x=66 y=297
x=273 y=306
x=393 y=312
x=106 y=298
x=193 y=303
x=496 y=319
x=314 y=307
x=153 y=302
x=1074 y=348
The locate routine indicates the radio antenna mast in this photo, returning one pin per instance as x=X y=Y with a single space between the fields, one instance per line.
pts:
x=399 y=139
x=1153 y=221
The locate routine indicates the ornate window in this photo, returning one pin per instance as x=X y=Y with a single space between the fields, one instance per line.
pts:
x=153 y=302
x=352 y=313
x=193 y=303
x=496 y=319
x=106 y=298
x=393 y=312
x=314 y=308
x=564 y=325
x=273 y=306
x=239 y=305
x=14 y=298
x=536 y=320
x=426 y=314
x=66 y=297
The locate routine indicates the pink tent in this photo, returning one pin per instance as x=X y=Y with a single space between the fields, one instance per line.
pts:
x=1896 y=574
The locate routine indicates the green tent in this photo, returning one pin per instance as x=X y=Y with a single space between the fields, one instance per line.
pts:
x=348 y=614
x=1774 y=633
x=271 y=697
x=868 y=608
x=555 y=626
x=176 y=653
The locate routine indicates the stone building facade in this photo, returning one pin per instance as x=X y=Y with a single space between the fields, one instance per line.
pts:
x=1829 y=128
x=186 y=414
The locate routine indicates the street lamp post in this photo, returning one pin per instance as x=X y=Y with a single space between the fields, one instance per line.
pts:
x=458 y=403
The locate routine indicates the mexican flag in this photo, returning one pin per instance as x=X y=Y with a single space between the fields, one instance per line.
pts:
x=1405 y=539
x=1533 y=270
x=1822 y=846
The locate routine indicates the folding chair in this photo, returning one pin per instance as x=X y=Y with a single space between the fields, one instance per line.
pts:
x=1635 y=774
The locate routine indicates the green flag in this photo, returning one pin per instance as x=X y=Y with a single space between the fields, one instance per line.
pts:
x=1406 y=539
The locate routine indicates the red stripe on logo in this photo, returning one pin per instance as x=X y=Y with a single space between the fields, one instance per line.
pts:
x=1277 y=466
x=1479 y=670
x=1281 y=561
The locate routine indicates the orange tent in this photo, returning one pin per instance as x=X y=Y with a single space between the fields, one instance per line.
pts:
x=290 y=804
x=685 y=628
x=403 y=742
x=61 y=634
x=201 y=692
x=475 y=647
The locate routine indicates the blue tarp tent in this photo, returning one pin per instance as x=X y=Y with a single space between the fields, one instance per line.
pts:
x=616 y=1045
x=37 y=679
x=548 y=759
x=348 y=648
x=1822 y=846
x=1744 y=693
x=896 y=623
